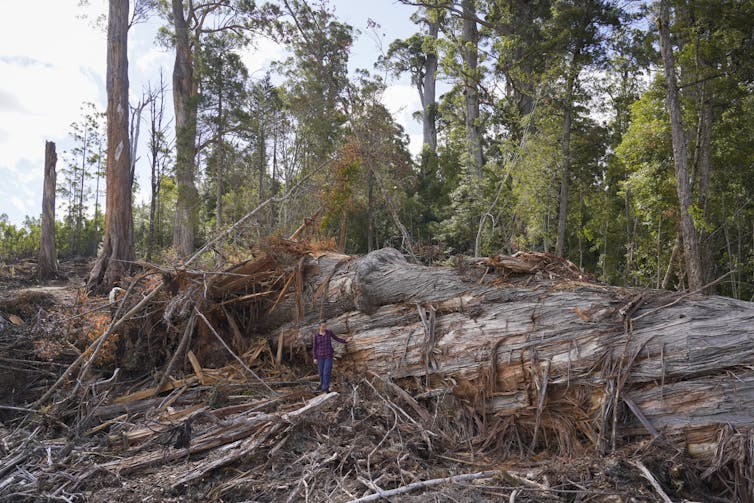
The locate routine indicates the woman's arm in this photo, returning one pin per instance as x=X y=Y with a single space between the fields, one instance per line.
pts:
x=342 y=341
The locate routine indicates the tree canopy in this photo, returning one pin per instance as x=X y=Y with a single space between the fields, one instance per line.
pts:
x=611 y=133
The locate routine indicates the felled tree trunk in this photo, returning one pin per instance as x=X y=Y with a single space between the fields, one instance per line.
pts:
x=525 y=338
x=526 y=345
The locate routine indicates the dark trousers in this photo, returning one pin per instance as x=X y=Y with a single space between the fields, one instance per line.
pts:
x=324 y=365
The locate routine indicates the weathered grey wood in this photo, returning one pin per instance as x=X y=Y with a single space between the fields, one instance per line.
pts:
x=250 y=444
x=580 y=330
x=48 y=257
x=500 y=322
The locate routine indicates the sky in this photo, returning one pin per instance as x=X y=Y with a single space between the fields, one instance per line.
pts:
x=51 y=64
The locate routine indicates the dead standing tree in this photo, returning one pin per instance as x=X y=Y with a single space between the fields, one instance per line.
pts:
x=48 y=257
x=118 y=247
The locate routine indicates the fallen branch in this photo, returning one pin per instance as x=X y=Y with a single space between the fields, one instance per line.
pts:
x=652 y=480
x=182 y=345
x=426 y=483
x=250 y=444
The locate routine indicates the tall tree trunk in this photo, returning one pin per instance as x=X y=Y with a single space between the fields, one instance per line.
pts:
x=156 y=114
x=80 y=216
x=184 y=103
x=274 y=182
x=96 y=196
x=705 y=174
x=429 y=106
x=566 y=156
x=48 y=257
x=133 y=135
x=152 y=211
x=692 y=255
x=469 y=50
x=118 y=246
x=262 y=160
x=154 y=181
x=71 y=216
x=219 y=166
x=370 y=211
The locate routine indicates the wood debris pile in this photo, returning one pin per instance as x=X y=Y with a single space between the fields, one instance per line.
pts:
x=541 y=264
x=463 y=379
x=366 y=441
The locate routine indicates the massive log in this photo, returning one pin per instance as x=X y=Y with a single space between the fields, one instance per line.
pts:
x=527 y=338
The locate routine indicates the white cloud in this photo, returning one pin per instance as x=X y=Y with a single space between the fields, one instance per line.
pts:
x=403 y=101
x=49 y=67
x=153 y=58
x=415 y=144
x=259 y=55
x=17 y=191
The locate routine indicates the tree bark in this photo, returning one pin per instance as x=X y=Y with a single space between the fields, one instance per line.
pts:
x=566 y=157
x=520 y=336
x=48 y=256
x=429 y=105
x=118 y=246
x=680 y=158
x=185 y=107
x=705 y=175
x=469 y=52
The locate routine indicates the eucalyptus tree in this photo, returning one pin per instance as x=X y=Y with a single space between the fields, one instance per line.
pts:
x=317 y=76
x=117 y=248
x=680 y=157
x=316 y=79
x=418 y=56
x=363 y=193
x=579 y=29
x=191 y=22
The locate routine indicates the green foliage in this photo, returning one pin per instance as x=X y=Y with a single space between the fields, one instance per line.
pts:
x=321 y=136
x=80 y=177
x=18 y=242
x=164 y=216
x=316 y=76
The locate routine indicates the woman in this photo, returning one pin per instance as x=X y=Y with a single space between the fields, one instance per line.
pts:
x=323 y=353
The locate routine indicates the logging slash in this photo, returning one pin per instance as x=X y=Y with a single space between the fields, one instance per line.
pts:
x=457 y=380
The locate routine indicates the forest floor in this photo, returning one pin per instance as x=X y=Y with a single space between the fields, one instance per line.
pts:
x=256 y=430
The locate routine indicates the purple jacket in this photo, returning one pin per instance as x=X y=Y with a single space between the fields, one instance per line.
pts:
x=322 y=345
